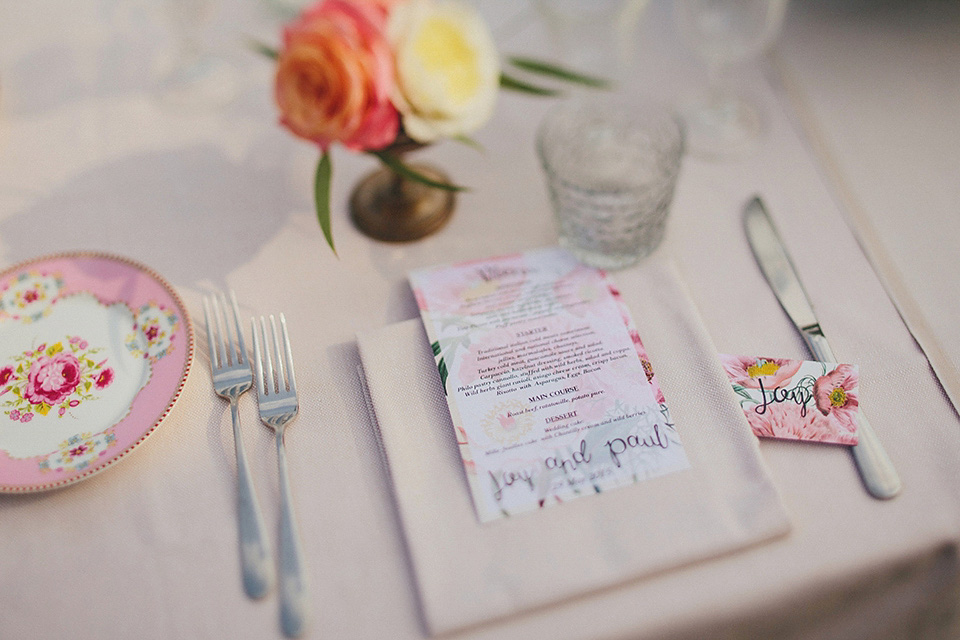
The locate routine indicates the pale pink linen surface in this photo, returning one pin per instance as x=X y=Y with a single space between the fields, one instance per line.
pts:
x=894 y=169
x=468 y=573
x=92 y=159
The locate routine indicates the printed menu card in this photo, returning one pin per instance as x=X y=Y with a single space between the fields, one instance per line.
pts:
x=550 y=390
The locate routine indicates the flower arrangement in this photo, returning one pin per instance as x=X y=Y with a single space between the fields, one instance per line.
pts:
x=384 y=76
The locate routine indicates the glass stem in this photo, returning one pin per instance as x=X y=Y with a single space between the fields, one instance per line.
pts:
x=720 y=98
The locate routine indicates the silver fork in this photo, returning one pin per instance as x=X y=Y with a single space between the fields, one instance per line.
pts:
x=231 y=378
x=277 y=398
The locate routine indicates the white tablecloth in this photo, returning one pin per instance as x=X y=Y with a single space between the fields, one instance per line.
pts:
x=91 y=159
x=883 y=125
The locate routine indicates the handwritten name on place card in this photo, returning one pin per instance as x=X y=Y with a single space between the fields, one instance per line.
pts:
x=796 y=399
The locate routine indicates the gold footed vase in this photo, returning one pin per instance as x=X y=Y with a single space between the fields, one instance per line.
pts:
x=393 y=208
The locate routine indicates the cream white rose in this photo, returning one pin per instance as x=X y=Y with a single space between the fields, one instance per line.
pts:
x=448 y=71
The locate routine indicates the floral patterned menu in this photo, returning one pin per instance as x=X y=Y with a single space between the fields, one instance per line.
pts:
x=550 y=390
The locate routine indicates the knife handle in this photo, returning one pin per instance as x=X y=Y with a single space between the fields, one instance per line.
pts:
x=876 y=469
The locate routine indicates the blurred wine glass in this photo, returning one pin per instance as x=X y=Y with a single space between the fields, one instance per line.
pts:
x=593 y=36
x=723 y=33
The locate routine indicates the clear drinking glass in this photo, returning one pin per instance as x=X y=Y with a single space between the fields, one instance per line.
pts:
x=611 y=168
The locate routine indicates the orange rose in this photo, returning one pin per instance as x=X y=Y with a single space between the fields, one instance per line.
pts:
x=335 y=75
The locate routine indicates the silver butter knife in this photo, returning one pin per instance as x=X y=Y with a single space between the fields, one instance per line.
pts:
x=876 y=469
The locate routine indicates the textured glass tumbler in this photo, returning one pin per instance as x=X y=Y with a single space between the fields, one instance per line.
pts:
x=611 y=168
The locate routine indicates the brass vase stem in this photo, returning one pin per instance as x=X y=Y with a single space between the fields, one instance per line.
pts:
x=390 y=207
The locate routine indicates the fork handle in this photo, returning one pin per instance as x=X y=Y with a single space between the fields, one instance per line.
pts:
x=255 y=560
x=293 y=585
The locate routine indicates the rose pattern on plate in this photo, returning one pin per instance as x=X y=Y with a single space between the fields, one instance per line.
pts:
x=97 y=299
x=29 y=296
x=78 y=452
x=58 y=376
x=153 y=332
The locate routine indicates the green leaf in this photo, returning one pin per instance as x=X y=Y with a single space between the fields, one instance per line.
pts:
x=509 y=82
x=470 y=142
x=396 y=165
x=442 y=368
x=558 y=72
x=321 y=196
x=263 y=49
x=436 y=348
x=740 y=391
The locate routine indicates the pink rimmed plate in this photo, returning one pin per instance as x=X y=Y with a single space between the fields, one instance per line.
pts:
x=94 y=351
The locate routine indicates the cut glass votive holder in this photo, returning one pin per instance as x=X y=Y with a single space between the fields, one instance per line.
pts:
x=611 y=168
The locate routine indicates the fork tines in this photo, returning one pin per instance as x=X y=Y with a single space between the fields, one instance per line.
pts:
x=282 y=381
x=223 y=350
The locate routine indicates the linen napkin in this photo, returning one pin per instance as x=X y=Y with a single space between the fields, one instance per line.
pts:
x=468 y=573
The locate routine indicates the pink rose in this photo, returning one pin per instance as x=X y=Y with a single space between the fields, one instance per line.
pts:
x=51 y=379
x=335 y=75
x=5 y=374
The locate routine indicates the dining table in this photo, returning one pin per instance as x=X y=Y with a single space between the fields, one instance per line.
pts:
x=858 y=165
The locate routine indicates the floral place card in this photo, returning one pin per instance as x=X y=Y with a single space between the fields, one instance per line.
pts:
x=795 y=399
x=551 y=393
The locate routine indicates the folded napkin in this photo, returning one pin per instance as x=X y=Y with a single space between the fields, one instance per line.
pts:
x=468 y=573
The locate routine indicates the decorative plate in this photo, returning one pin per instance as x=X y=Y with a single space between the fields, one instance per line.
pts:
x=94 y=351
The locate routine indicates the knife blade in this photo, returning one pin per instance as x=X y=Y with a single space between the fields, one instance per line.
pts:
x=877 y=471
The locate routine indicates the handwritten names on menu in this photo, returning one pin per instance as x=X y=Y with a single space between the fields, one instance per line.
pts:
x=547 y=381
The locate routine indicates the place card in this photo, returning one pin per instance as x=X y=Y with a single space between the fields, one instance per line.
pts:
x=796 y=399
x=550 y=391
